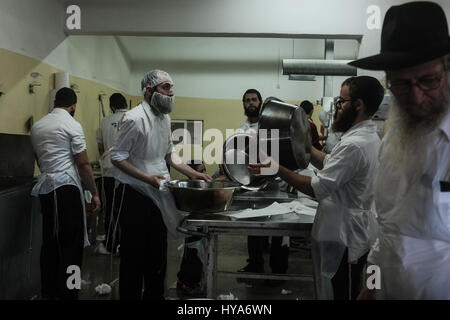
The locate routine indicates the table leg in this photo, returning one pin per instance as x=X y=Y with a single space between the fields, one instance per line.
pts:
x=211 y=267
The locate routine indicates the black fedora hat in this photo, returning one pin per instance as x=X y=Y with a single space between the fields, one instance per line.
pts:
x=412 y=34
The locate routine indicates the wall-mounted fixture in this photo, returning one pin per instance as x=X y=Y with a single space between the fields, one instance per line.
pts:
x=74 y=87
x=102 y=108
x=31 y=87
x=34 y=75
x=33 y=84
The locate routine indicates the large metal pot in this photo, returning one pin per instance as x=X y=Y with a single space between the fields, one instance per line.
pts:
x=294 y=132
x=199 y=196
x=237 y=154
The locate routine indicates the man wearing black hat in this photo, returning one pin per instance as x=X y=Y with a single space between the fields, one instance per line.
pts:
x=59 y=144
x=412 y=253
x=345 y=224
x=106 y=135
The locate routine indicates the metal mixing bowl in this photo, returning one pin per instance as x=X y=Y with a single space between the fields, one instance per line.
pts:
x=199 y=196
x=236 y=160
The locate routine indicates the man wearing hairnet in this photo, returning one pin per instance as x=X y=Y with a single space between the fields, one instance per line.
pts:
x=411 y=258
x=141 y=152
x=345 y=224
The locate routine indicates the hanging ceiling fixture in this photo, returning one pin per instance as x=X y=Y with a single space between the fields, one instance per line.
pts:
x=302 y=77
x=318 y=67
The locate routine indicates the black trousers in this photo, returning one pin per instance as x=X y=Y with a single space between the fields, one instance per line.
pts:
x=112 y=239
x=191 y=269
x=64 y=248
x=279 y=254
x=346 y=274
x=143 y=247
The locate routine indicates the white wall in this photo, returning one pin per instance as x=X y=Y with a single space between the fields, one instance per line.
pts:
x=32 y=28
x=35 y=29
x=256 y=18
x=225 y=67
x=97 y=58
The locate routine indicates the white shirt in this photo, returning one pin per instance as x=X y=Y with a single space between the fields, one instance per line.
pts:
x=144 y=139
x=332 y=139
x=350 y=168
x=413 y=249
x=248 y=127
x=345 y=217
x=56 y=138
x=106 y=135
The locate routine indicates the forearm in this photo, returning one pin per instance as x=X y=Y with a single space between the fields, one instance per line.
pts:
x=317 y=158
x=131 y=170
x=175 y=162
x=299 y=182
x=87 y=177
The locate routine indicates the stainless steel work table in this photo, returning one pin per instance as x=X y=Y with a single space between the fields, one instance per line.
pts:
x=291 y=224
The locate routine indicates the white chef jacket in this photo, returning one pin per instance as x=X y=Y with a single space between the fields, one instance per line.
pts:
x=248 y=127
x=56 y=138
x=106 y=135
x=345 y=216
x=144 y=139
x=413 y=248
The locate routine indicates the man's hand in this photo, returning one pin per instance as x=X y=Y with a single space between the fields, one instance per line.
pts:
x=96 y=204
x=366 y=294
x=155 y=180
x=201 y=176
x=255 y=168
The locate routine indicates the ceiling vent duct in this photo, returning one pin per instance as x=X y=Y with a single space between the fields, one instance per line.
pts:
x=318 y=67
x=302 y=77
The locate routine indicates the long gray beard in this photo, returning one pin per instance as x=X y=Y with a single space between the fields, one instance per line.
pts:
x=407 y=135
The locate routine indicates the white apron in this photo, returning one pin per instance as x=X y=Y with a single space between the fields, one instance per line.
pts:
x=48 y=178
x=151 y=160
x=335 y=228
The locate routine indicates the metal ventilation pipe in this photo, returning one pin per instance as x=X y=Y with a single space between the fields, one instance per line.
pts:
x=302 y=77
x=318 y=67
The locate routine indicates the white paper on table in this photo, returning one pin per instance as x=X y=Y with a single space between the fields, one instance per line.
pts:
x=302 y=206
x=272 y=210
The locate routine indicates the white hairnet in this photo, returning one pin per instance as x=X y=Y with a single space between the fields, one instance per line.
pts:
x=155 y=77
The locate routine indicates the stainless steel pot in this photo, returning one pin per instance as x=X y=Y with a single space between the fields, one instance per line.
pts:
x=237 y=154
x=294 y=132
x=199 y=196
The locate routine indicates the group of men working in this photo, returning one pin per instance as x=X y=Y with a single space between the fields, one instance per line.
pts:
x=385 y=203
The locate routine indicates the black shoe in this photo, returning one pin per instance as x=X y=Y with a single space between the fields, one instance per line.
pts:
x=189 y=291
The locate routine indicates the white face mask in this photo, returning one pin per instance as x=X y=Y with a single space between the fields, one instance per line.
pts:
x=162 y=103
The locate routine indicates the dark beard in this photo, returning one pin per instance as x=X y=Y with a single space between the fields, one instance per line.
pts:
x=72 y=113
x=252 y=112
x=345 y=120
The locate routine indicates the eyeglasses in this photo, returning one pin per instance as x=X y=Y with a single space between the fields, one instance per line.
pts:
x=426 y=83
x=339 y=102
x=254 y=99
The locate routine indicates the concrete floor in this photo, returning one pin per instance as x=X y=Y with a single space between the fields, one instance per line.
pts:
x=98 y=269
